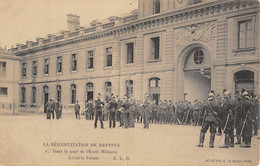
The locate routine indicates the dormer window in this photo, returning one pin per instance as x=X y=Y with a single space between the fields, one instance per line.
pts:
x=156 y=6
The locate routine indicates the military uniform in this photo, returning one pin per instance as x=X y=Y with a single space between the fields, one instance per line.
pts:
x=211 y=108
x=112 y=112
x=98 y=113
x=59 y=110
x=247 y=119
x=49 y=108
x=120 y=114
x=228 y=115
x=126 y=105
x=146 y=113
x=196 y=111
x=77 y=109
x=154 y=113
x=132 y=113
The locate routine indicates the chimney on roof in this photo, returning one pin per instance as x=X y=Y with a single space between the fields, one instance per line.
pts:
x=72 y=21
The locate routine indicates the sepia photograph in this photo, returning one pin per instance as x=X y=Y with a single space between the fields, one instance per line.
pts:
x=129 y=82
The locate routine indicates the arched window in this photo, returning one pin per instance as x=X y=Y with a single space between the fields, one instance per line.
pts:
x=198 y=56
x=108 y=89
x=244 y=80
x=89 y=91
x=154 y=88
x=33 y=95
x=73 y=93
x=154 y=82
x=58 y=92
x=129 y=84
x=23 y=95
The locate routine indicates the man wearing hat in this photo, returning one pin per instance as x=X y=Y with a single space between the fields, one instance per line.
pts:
x=247 y=120
x=211 y=111
x=77 y=110
x=112 y=111
x=126 y=110
x=49 y=108
x=147 y=105
x=228 y=114
x=98 y=111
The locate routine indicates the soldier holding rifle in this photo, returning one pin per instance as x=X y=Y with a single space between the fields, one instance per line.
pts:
x=228 y=113
x=211 y=109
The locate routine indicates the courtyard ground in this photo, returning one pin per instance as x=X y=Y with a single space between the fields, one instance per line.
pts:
x=33 y=140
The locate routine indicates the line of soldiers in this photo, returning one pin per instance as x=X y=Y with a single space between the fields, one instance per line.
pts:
x=128 y=111
x=240 y=114
x=52 y=107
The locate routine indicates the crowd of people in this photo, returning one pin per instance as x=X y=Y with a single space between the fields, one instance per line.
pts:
x=226 y=113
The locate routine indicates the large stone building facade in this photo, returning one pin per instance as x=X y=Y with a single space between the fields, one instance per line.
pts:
x=170 y=49
x=9 y=82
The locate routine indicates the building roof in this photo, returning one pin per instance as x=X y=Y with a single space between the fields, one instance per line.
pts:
x=4 y=52
x=7 y=55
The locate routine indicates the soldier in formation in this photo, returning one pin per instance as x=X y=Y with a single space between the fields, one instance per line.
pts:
x=99 y=104
x=211 y=113
x=225 y=113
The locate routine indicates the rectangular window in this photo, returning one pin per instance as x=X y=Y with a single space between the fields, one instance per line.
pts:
x=23 y=95
x=90 y=60
x=33 y=95
x=74 y=62
x=109 y=56
x=245 y=34
x=2 y=68
x=73 y=94
x=34 y=68
x=59 y=64
x=156 y=6
x=155 y=48
x=130 y=53
x=24 y=68
x=3 y=91
x=46 y=66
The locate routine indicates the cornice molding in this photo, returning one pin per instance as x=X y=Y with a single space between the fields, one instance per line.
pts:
x=193 y=13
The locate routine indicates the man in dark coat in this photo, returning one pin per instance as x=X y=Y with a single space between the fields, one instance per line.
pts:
x=112 y=112
x=247 y=119
x=228 y=115
x=211 y=111
x=147 y=106
x=98 y=111
x=49 y=108
x=77 y=110
x=126 y=109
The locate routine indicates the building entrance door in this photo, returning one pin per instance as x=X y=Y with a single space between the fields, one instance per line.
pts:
x=195 y=76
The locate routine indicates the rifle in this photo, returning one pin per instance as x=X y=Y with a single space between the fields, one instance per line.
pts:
x=188 y=113
x=203 y=119
x=243 y=127
x=224 y=126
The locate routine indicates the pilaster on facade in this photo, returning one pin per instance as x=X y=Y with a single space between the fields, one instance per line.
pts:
x=220 y=78
x=221 y=38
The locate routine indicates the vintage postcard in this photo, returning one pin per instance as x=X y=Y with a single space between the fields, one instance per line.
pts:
x=129 y=82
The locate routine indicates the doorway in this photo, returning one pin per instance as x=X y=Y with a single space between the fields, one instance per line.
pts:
x=45 y=96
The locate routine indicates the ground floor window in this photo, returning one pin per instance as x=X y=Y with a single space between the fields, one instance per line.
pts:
x=73 y=93
x=58 y=91
x=89 y=91
x=244 y=80
x=154 y=89
x=129 y=84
